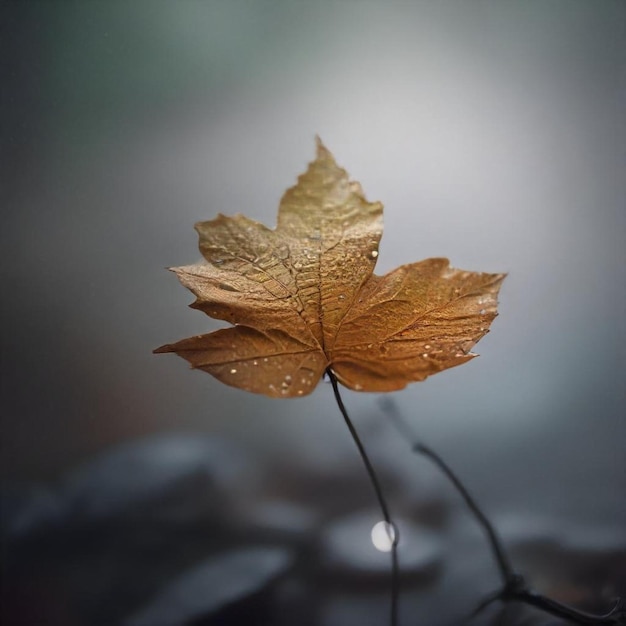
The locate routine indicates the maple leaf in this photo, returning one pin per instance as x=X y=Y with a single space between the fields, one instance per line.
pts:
x=303 y=297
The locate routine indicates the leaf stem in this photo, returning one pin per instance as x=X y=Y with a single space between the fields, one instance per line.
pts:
x=393 y=618
x=514 y=588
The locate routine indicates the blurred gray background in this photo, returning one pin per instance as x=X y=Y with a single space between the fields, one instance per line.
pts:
x=493 y=132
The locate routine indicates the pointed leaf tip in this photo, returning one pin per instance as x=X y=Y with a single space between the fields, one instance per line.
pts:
x=321 y=151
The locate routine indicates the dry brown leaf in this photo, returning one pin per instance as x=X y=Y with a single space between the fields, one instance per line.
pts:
x=303 y=297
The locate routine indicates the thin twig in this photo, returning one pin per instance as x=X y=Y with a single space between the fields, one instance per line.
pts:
x=487 y=601
x=615 y=617
x=393 y=618
x=514 y=587
x=504 y=566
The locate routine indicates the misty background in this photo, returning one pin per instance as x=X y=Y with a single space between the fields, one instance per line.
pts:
x=492 y=131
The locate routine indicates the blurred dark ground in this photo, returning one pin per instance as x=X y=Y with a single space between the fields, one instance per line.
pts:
x=493 y=132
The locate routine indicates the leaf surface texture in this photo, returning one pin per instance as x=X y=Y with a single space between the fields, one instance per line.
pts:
x=303 y=297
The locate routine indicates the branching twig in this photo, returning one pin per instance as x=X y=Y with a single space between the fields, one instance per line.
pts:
x=393 y=620
x=514 y=587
